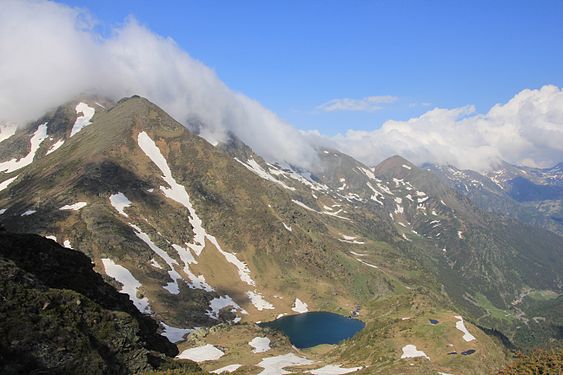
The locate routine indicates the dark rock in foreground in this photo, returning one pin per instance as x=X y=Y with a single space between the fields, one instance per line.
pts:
x=57 y=315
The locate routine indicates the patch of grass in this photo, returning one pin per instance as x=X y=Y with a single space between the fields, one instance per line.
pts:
x=492 y=310
x=543 y=295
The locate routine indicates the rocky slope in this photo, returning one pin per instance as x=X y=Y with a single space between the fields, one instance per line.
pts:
x=57 y=315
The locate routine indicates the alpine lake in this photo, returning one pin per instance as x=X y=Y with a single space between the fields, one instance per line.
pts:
x=315 y=328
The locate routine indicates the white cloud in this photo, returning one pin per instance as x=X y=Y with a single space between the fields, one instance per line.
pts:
x=51 y=54
x=367 y=104
x=527 y=130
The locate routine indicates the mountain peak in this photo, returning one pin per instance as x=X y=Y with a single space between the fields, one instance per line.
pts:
x=393 y=165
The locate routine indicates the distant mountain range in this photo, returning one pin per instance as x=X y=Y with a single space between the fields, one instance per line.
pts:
x=202 y=235
x=531 y=195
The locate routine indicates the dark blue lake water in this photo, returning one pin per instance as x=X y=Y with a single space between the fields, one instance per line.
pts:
x=315 y=328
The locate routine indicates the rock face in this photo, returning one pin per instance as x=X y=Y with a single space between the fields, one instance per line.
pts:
x=57 y=315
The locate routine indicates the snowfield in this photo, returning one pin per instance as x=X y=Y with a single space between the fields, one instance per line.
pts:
x=300 y=306
x=334 y=370
x=201 y=353
x=260 y=344
x=259 y=302
x=84 y=120
x=460 y=325
x=219 y=303
x=275 y=365
x=229 y=368
x=174 y=334
x=172 y=287
x=257 y=169
x=130 y=283
x=5 y=184
x=178 y=193
x=410 y=351
x=14 y=164
x=55 y=146
x=74 y=207
x=120 y=202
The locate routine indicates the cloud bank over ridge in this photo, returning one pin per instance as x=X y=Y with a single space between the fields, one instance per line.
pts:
x=527 y=130
x=51 y=53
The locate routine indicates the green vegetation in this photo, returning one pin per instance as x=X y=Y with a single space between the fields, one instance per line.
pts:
x=538 y=362
x=492 y=310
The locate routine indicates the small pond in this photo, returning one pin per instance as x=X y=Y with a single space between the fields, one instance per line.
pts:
x=316 y=328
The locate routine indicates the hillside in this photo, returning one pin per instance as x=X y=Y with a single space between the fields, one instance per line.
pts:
x=57 y=314
x=212 y=235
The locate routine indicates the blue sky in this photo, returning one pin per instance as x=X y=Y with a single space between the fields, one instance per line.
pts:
x=293 y=56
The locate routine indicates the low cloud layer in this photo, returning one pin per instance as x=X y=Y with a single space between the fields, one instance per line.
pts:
x=50 y=54
x=367 y=104
x=527 y=130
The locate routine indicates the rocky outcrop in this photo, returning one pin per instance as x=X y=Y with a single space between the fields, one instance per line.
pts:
x=59 y=316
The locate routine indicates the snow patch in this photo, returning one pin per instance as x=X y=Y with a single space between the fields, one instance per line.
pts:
x=376 y=194
x=179 y=194
x=257 y=169
x=300 y=306
x=201 y=353
x=286 y=226
x=275 y=365
x=172 y=287
x=120 y=202
x=406 y=167
x=229 y=368
x=55 y=146
x=410 y=351
x=75 y=207
x=460 y=325
x=219 y=303
x=174 y=334
x=28 y=212
x=196 y=282
x=334 y=370
x=67 y=244
x=368 y=173
x=259 y=302
x=6 y=183
x=367 y=264
x=38 y=137
x=129 y=282
x=84 y=120
x=52 y=238
x=260 y=344
x=301 y=204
